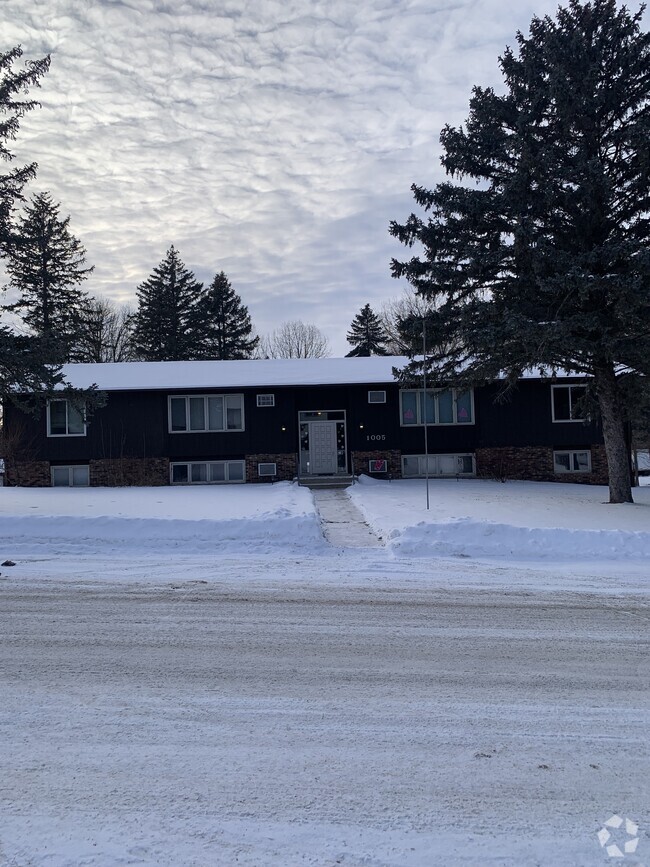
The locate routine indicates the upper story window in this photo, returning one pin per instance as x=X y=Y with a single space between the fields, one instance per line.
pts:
x=445 y=406
x=266 y=400
x=65 y=420
x=376 y=397
x=206 y=412
x=568 y=402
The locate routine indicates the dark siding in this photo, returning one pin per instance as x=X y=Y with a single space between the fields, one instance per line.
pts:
x=135 y=424
x=525 y=419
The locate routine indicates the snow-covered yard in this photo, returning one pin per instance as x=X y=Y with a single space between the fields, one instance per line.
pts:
x=194 y=676
x=522 y=521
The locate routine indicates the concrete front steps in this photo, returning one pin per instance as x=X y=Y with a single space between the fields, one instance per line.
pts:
x=319 y=482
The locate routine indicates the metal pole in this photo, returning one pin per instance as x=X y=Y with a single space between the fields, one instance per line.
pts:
x=424 y=406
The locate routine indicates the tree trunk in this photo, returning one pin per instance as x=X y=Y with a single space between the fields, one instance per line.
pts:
x=611 y=411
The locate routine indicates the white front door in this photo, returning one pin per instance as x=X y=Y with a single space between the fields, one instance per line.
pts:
x=322 y=447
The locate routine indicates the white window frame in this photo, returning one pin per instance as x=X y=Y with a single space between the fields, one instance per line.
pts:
x=225 y=481
x=434 y=457
x=265 y=474
x=188 y=430
x=435 y=392
x=265 y=400
x=581 y=420
x=377 y=391
x=67 y=419
x=572 y=455
x=70 y=468
x=373 y=469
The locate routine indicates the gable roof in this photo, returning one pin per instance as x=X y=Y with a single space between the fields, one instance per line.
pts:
x=260 y=373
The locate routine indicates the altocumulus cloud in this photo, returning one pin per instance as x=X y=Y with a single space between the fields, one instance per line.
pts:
x=273 y=139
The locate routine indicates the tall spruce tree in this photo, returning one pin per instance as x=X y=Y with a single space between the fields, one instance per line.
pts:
x=23 y=361
x=544 y=258
x=367 y=334
x=45 y=264
x=14 y=82
x=229 y=331
x=168 y=321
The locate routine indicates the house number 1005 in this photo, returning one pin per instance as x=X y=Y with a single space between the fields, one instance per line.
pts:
x=375 y=437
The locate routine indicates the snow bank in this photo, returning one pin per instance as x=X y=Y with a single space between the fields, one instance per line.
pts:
x=466 y=538
x=516 y=520
x=229 y=518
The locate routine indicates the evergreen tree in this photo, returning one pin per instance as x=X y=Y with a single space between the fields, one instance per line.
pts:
x=23 y=360
x=168 y=321
x=12 y=83
x=367 y=334
x=544 y=258
x=45 y=264
x=227 y=322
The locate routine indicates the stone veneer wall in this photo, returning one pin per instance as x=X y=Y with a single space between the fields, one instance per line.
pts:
x=125 y=472
x=599 y=467
x=394 y=458
x=536 y=464
x=286 y=467
x=28 y=474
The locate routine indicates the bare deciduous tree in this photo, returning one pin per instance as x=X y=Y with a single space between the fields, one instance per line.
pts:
x=107 y=333
x=294 y=340
x=395 y=316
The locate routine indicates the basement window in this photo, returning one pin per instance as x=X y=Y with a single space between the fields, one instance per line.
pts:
x=70 y=477
x=207 y=472
x=415 y=466
x=572 y=461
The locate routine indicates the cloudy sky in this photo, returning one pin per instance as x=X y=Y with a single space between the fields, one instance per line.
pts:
x=271 y=139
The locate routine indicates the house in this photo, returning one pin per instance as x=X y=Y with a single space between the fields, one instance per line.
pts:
x=213 y=422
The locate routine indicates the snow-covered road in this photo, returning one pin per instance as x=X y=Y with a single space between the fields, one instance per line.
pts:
x=262 y=723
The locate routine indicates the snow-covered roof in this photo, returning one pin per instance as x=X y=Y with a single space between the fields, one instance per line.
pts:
x=256 y=373
x=262 y=373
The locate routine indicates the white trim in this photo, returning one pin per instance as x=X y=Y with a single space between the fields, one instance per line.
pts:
x=566 y=420
x=270 y=400
x=373 y=466
x=377 y=391
x=67 y=419
x=205 y=397
x=572 y=454
x=266 y=464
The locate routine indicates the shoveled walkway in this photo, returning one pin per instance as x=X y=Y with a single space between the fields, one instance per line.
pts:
x=343 y=524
